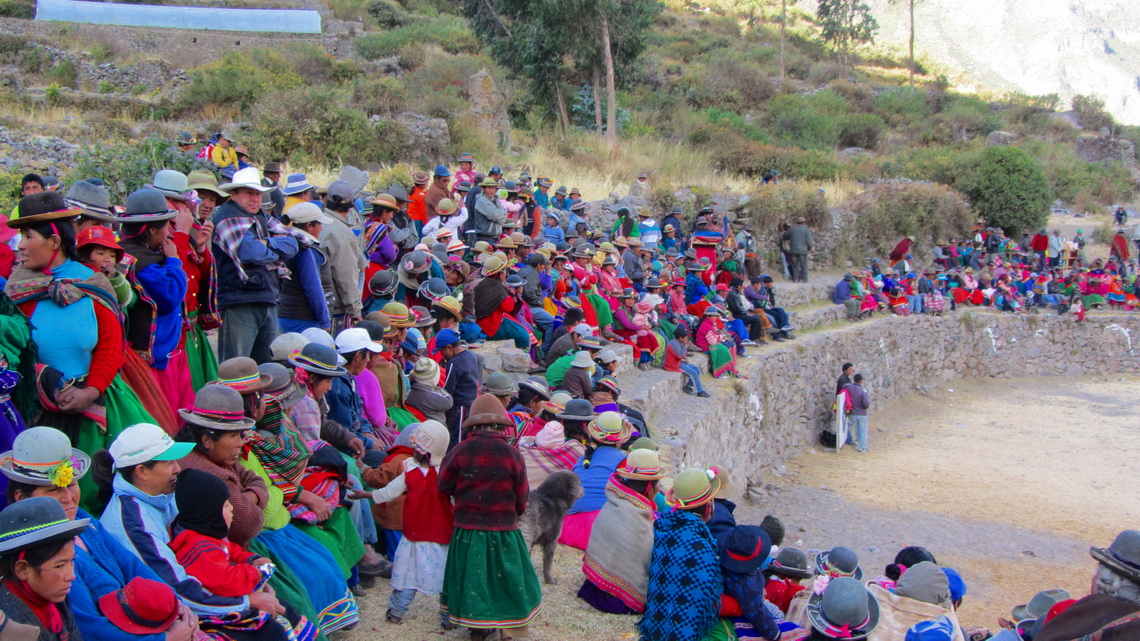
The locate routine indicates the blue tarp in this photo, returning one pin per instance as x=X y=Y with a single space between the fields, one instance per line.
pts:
x=141 y=15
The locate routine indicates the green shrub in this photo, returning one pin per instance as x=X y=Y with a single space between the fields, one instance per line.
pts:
x=1009 y=189
x=139 y=90
x=238 y=80
x=63 y=74
x=106 y=86
x=890 y=211
x=772 y=205
x=100 y=53
x=10 y=186
x=860 y=130
x=11 y=47
x=388 y=14
x=805 y=129
x=381 y=96
x=17 y=9
x=315 y=125
x=33 y=60
x=53 y=93
x=754 y=159
x=125 y=167
x=901 y=105
x=739 y=124
x=950 y=166
x=449 y=32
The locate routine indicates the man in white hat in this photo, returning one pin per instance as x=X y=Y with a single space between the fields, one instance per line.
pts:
x=247 y=258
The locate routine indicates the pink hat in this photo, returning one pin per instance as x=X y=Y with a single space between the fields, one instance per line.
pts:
x=550 y=436
x=6 y=232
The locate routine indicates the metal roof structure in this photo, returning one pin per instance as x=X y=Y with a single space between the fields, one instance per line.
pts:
x=174 y=17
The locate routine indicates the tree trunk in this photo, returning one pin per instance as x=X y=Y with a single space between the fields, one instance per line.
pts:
x=563 y=115
x=611 y=90
x=783 y=30
x=911 y=4
x=597 y=101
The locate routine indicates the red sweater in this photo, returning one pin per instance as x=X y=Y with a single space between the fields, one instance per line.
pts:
x=487 y=477
x=434 y=517
x=219 y=564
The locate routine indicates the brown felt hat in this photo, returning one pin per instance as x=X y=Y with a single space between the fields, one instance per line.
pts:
x=487 y=410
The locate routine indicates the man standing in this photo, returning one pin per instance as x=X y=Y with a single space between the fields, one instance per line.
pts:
x=860 y=403
x=1040 y=245
x=1056 y=247
x=245 y=255
x=345 y=258
x=489 y=215
x=799 y=244
x=271 y=178
x=844 y=377
x=631 y=263
x=463 y=380
x=640 y=188
x=437 y=192
x=417 y=207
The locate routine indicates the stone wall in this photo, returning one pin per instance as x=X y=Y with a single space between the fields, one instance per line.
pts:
x=753 y=426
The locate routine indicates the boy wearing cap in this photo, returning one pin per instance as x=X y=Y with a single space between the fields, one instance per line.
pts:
x=345 y=404
x=437 y=191
x=341 y=244
x=464 y=378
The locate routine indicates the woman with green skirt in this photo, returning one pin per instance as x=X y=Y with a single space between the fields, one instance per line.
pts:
x=488 y=581
x=77 y=331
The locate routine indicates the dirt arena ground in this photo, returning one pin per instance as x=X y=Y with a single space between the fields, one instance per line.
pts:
x=1008 y=481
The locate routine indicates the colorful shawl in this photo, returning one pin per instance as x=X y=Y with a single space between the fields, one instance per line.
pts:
x=280 y=448
x=19 y=352
x=26 y=286
x=685 y=582
x=617 y=559
x=541 y=462
x=231 y=231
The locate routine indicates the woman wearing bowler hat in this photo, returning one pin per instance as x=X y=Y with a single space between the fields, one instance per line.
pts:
x=76 y=327
x=37 y=551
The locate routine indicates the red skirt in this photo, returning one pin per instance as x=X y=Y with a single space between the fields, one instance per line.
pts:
x=139 y=377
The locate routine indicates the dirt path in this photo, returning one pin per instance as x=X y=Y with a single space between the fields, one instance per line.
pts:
x=1008 y=481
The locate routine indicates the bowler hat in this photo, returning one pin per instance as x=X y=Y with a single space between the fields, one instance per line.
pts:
x=240 y=373
x=642 y=464
x=172 y=184
x=318 y=359
x=282 y=386
x=792 y=562
x=34 y=522
x=839 y=562
x=577 y=409
x=43 y=207
x=218 y=407
x=693 y=487
x=1123 y=556
x=845 y=610
x=1039 y=605
x=43 y=456
x=94 y=200
x=608 y=428
x=146 y=205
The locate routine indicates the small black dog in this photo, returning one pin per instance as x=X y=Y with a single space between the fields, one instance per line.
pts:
x=541 y=523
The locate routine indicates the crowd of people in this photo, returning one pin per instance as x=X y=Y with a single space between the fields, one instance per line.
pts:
x=343 y=432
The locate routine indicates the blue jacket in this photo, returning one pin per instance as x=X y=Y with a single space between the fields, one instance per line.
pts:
x=695 y=288
x=260 y=286
x=748 y=590
x=541 y=199
x=141 y=524
x=307 y=300
x=347 y=408
x=105 y=566
x=842 y=292
x=463 y=378
x=165 y=285
x=603 y=464
x=723 y=520
x=554 y=234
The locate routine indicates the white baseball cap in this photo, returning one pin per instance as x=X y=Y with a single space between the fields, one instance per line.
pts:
x=304 y=213
x=583 y=330
x=144 y=442
x=355 y=339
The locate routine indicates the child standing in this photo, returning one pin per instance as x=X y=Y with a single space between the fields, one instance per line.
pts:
x=422 y=552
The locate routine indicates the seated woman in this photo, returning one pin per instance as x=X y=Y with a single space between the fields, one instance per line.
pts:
x=50 y=467
x=607 y=433
x=35 y=560
x=712 y=338
x=75 y=321
x=549 y=451
x=314 y=582
x=199 y=542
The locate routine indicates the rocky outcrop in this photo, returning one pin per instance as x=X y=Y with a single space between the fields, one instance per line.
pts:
x=428 y=138
x=489 y=106
x=1001 y=138
x=21 y=152
x=1099 y=149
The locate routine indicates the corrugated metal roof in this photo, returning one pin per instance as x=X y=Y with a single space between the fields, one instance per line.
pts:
x=141 y=15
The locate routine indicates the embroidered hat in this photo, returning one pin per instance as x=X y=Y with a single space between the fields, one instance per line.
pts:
x=608 y=429
x=36 y=521
x=142 y=606
x=43 y=456
x=693 y=487
x=382 y=283
x=398 y=315
x=845 y=610
x=431 y=438
x=318 y=359
x=536 y=385
x=219 y=407
x=432 y=289
x=450 y=305
x=641 y=465
x=240 y=374
x=101 y=237
x=557 y=403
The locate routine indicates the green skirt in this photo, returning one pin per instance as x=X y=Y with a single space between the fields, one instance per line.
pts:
x=123 y=410
x=489 y=581
x=203 y=363
x=401 y=417
x=338 y=535
x=601 y=309
x=722 y=360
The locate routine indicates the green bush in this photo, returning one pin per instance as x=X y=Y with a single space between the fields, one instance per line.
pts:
x=381 y=96
x=1009 y=189
x=805 y=129
x=125 y=167
x=53 y=93
x=754 y=159
x=449 y=32
x=17 y=9
x=315 y=125
x=901 y=105
x=238 y=80
x=739 y=124
x=10 y=186
x=33 y=60
x=860 y=130
x=772 y=205
x=11 y=47
x=388 y=14
x=106 y=86
x=63 y=74
x=950 y=166
x=890 y=211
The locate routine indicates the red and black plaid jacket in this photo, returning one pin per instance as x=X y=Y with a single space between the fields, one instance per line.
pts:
x=487 y=477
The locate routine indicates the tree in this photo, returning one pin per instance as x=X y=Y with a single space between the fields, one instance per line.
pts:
x=846 y=23
x=1008 y=189
x=1092 y=114
x=910 y=5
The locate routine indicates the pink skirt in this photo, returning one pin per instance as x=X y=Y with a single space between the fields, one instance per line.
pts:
x=174 y=381
x=576 y=529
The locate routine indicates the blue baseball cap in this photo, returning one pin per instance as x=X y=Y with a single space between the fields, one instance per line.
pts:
x=957 y=584
x=496 y=170
x=940 y=629
x=445 y=337
x=440 y=170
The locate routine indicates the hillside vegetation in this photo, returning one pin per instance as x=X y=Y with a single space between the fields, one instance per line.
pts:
x=706 y=104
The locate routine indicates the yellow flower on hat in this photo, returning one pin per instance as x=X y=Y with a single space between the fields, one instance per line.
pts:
x=63 y=474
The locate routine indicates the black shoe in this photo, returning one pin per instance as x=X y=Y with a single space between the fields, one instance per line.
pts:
x=778 y=339
x=789 y=336
x=703 y=394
